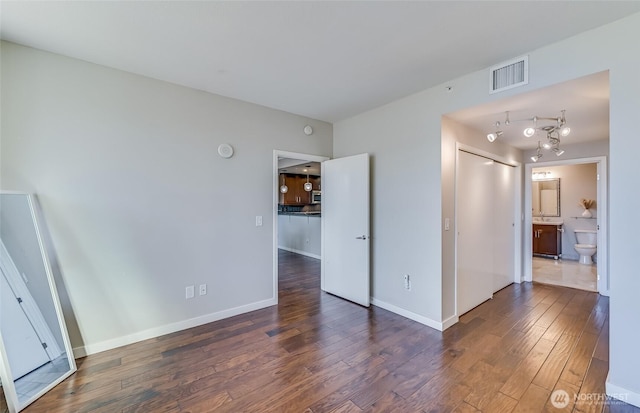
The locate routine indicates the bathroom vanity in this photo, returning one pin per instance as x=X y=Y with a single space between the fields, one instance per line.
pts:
x=547 y=239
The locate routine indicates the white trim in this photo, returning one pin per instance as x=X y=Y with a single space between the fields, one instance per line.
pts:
x=602 y=222
x=614 y=390
x=440 y=326
x=448 y=322
x=169 y=328
x=295 y=251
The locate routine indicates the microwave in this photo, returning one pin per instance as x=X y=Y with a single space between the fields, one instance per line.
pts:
x=316 y=197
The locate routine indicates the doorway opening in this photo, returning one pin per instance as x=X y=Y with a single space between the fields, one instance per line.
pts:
x=297 y=208
x=579 y=179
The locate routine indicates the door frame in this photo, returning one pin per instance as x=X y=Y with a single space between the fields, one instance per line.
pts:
x=602 y=201
x=276 y=185
x=517 y=213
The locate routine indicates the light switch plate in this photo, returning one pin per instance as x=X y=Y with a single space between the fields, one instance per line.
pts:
x=189 y=291
x=258 y=220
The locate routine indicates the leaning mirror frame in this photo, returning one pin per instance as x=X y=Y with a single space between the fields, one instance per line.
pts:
x=14 y=403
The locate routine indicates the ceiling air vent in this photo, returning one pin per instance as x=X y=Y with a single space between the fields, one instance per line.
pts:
x=509 y=74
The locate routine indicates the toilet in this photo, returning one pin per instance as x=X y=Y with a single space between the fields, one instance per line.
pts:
x=586 y=246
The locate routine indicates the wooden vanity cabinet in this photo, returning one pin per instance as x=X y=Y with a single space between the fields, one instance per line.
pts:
x=547 y=240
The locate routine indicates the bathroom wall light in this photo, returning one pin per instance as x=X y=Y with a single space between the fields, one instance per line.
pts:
x=537 y=176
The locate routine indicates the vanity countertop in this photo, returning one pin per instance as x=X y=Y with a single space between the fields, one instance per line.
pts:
x=549 y=222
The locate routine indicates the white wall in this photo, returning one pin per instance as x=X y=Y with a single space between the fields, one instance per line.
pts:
x=408 y=157
x=137 y=201
x=300 y=234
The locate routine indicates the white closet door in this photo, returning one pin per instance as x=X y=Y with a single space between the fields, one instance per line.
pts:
x=474 y=225
x=504 y=226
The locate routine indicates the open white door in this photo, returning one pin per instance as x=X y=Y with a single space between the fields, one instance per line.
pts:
x=345 y=232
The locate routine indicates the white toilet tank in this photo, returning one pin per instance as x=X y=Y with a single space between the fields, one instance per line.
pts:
x=586 y=236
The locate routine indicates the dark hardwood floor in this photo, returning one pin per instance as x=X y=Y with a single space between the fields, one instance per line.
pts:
x=317 y=353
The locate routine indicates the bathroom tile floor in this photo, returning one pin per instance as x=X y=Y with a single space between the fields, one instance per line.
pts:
x=566 y=273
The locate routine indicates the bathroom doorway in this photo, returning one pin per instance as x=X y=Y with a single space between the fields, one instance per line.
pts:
x=578 y=182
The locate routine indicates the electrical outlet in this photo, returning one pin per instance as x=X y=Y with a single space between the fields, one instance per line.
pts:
x=407 y=282
x=190 y=291
x=203 y=289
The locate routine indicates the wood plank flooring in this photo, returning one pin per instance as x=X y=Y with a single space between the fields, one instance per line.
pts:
x=317 y=353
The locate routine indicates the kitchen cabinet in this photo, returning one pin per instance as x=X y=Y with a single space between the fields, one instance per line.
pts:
x=315 y=181
x=296 y=195
x=547 y=240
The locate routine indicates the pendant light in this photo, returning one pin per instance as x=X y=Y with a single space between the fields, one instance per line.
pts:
x=284 y=188
x=308 y=186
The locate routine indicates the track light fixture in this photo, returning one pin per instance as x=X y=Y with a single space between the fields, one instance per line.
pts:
x=538 y=155
x=494 y=135
x=554 y=128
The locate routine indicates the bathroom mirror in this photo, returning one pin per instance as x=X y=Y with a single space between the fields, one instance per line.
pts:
x=35 y=352
x=545 y=198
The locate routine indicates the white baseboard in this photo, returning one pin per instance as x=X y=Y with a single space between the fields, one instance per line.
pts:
x=621 y=393
x=441 y=326
x=169 y=328
x=449 y=322
x=295 y=251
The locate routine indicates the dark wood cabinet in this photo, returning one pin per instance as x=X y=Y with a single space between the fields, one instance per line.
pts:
x=315 y=181
x=547 y=240
x=296 y=195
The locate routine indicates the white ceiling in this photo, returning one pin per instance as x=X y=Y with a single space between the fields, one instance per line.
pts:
x=296 y=166
x=586 y=101
x=322 y=59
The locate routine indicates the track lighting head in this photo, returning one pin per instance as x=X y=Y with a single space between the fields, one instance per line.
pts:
x=538 y=155
x=529 y=132
x=494 y=135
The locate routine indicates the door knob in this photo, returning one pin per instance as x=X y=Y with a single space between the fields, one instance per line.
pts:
x=362 y=237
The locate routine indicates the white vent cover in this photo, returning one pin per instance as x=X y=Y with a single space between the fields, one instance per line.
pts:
x=508 y=75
